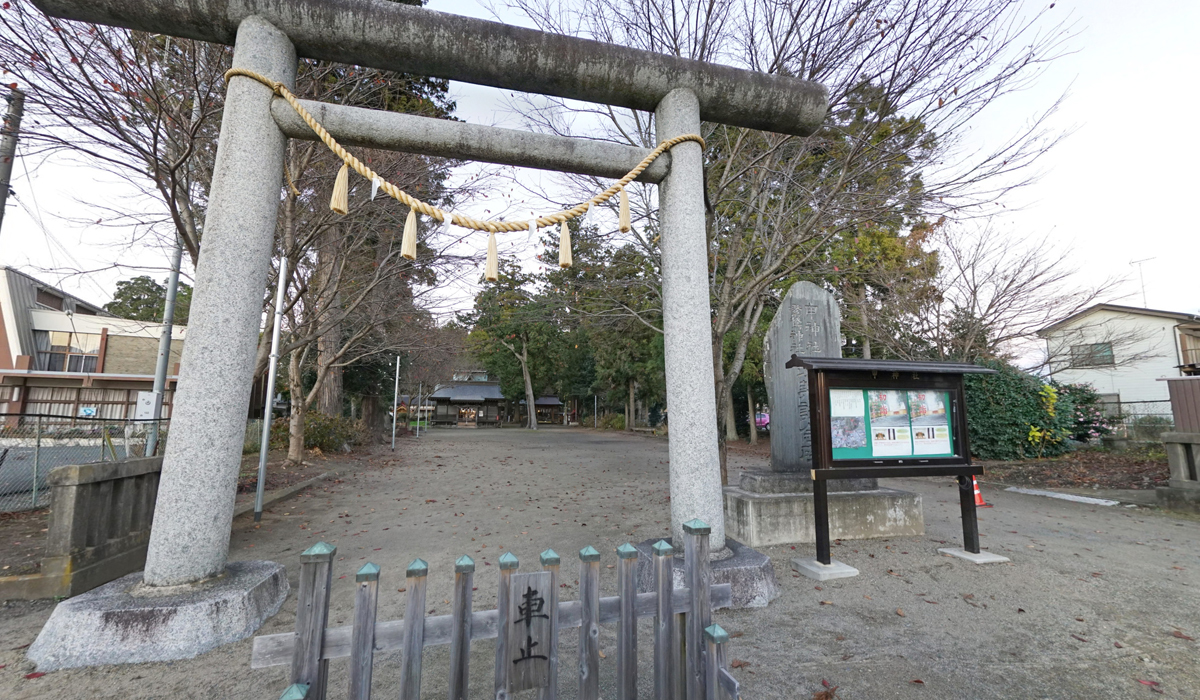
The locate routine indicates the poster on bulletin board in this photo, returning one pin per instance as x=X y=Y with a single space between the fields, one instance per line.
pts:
x=874 y=423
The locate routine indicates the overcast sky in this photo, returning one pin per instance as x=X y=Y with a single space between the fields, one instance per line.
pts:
x=1116 y=191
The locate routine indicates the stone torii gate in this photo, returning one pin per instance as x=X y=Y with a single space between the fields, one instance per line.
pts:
x=186 y=566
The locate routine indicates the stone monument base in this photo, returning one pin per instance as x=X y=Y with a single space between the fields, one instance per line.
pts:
x=1182 y=492
x=749 y=574
x=760 y=514
x=1177 y=498
x=125 y=622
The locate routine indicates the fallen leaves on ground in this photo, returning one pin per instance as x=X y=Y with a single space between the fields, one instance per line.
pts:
x=738 y=663
x=900 y=612
x=826 y=602
x=1079 y=638
x=1180 y=635
x=829 y=693
x=37 y=674
x=917 y=681
x=1087 y=468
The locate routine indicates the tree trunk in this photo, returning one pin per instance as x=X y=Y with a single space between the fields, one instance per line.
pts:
x=531 y=409
x=372 y=418
x=719 y=384
x=296 y=422
x=329 y=400
x=753 y=416
x=730 y=420
x=866 y=348
x=629 y=416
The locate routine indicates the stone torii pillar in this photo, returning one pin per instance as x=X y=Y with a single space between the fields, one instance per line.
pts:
x=189 y=542
x=190 y=538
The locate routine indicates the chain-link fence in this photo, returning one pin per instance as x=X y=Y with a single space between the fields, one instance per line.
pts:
x=30 y=446
x=1140 y=420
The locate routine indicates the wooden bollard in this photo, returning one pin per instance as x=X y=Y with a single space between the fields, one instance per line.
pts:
x=699 y=579
x=714 y=637
x=460 y=633
x=589 y=631
x=312 y=614
x=664 y=621
x=362 y=649
x=627 y=556
x=550 y=562
x=508 y=564
x=415 y=577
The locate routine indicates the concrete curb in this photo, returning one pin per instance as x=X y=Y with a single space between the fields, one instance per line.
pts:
x=271 y=498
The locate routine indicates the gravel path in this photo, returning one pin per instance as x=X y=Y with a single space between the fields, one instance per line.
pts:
x=1090 y=604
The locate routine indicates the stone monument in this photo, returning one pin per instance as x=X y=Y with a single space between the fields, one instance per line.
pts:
x=775 y=506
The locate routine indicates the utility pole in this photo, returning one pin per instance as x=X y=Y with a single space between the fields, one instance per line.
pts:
x=8 y=144
x=264 y=441
x=395 y=402
x=164 y=346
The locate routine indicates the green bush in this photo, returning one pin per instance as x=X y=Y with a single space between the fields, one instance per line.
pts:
x=1089 y=423
x=326 y=433
x=1014 y=415
x=612 y=421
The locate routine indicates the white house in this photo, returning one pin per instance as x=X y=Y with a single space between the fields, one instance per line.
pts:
x=1123 y=350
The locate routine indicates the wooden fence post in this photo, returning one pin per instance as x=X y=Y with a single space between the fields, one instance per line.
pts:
x=699 y=578
x=508 y=564
x=460 y=634
x=589 y=631
x=362 y=647
x=714 y=636
x=627 y=556
x=312 y=613
x=414 y=630
x=664 y=621
x=550 y=562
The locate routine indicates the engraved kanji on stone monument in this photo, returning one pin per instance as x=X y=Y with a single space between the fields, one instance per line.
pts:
x=529 y=638
x=807 y=324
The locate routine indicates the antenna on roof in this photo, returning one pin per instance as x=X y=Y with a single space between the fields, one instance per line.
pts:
x=1142 y=278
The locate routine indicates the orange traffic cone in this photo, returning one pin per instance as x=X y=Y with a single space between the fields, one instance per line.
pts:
x=979 y=502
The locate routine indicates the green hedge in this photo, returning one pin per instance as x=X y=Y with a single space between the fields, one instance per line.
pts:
x=1015 y=415
x=612 y=421
x=326 y=433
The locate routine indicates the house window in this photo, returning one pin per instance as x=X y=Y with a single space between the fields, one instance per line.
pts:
x=49 y=299
x=59 y=351
x=1092 y=355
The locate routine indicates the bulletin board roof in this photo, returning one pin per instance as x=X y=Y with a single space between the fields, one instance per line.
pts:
x=839 y=364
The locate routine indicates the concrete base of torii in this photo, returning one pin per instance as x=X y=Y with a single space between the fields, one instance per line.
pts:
x=749 y=573
x=125 y=621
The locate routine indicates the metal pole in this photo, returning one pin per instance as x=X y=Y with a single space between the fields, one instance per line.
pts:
x=164 y=345
x=8 y=144
x=395 y=402
x=37 y=455
x=272 y=365
x=420 y=388
x=595 y=410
